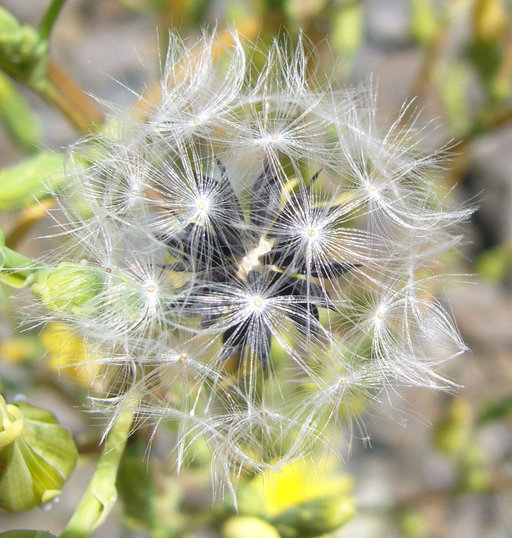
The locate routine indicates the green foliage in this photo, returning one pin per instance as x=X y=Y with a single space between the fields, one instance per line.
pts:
x=24 y=183
x=456 y=436
x=16 y=270
x=23 y=55
x=17 y=116
x=473 y=475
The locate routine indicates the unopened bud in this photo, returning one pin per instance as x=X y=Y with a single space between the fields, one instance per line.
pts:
x=314 y=518
x=37 y=456
x=22 y=52
x=68 y=287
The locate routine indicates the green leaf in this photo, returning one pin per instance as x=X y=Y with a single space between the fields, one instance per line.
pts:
x=16 y=270
x=16 y=492
x=37 y=457
x=23 y=183
x=17 y=115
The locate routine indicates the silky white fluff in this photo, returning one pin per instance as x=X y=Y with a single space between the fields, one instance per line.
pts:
x=267 y=254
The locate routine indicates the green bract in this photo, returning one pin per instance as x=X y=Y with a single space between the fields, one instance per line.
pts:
x=37 y=456
x=67 y=287
x=16 y=270
x=315 y=518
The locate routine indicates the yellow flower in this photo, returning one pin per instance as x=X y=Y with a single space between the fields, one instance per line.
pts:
x=300 y=482
x=69 y=353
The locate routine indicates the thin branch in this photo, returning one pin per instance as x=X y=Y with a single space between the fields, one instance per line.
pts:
x=101 y=493
x=27 y=219
x=70 y=99
x=49 y=18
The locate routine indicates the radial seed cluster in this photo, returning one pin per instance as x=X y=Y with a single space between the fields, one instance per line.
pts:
x=253 y=255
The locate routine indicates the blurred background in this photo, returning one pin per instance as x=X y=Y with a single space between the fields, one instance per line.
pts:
x=426 y=464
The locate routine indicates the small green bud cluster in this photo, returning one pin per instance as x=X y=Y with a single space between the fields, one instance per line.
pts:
x=22 y=52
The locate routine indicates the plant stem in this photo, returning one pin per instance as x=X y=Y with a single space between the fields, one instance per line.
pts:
x=26 y=220
x=63 y=92
x=101 y=493
x=49 y=18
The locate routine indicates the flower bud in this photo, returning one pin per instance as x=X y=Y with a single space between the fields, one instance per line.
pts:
x=22 y=52
x=315 y=518
x=248 y=527
x=37 y=456
x=68 y=287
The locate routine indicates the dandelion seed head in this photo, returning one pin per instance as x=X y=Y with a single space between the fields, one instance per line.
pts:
x=261 y=256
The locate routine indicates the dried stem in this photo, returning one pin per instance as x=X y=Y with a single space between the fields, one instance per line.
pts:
x=70 y=99
x=27 y=219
